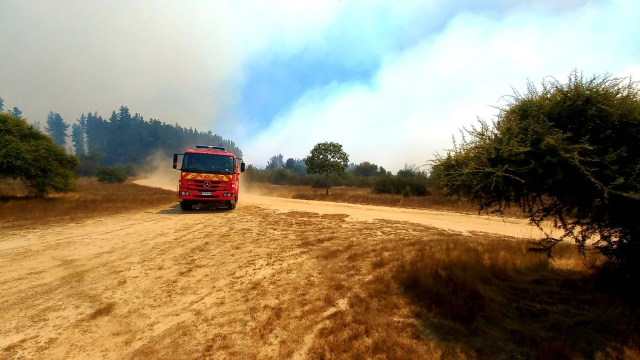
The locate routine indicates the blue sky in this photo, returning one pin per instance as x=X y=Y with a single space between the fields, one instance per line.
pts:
x=273 y=86
x=390 y=80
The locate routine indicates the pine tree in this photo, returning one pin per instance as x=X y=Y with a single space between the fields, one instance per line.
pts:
x=115 y=144
x=17 y=113
x=57 y=128
x=78 y=135
x=95 y=133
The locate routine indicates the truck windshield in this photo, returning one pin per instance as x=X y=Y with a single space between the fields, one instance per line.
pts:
x=208 y=163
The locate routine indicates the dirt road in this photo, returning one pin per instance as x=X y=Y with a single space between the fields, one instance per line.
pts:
x=464 y=223
x=258 y=282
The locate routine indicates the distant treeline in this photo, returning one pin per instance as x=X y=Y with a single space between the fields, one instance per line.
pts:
x=123 y=139
x=126 y=138
x=410 y=181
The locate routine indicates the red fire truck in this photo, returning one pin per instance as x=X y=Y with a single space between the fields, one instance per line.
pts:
x=209 y=174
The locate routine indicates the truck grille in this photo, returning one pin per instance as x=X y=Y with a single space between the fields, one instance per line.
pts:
x=214 y=185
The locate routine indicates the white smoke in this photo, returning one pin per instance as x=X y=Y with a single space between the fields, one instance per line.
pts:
x=419 y=98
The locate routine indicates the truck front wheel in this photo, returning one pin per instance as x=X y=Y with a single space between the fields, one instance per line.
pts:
x=186 y=205
x=231 y=205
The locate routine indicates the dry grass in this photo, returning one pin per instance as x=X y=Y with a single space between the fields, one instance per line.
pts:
x=91 y=199
x=506 y=303
x=366 y=196
x=482 y=298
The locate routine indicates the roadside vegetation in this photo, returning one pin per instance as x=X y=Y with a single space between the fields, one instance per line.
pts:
x=409 y=181
x=33 y=158
x=563 y=152
x=90 y=199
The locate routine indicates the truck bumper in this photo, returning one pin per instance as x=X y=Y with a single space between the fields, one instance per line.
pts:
x=197 y=196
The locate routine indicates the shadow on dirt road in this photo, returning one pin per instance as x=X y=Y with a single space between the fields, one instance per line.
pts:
x=202 y=209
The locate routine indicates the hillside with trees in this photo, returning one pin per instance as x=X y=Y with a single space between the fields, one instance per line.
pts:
x=123 y=139
x=130 y=139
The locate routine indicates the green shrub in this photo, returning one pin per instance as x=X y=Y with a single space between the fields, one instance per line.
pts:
x=384 y=185
x=88 y=163
x=358 y=181
x=564 y=152
x=33 y=157
x=111 y=174
x=406 y=186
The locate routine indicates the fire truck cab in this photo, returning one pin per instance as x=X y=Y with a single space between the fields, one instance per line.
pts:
x=208 y=175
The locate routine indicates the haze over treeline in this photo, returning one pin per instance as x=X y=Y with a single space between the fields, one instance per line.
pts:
x=123 y=138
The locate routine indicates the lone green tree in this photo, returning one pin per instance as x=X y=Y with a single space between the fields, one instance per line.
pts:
x=327 y=158
x=565 y=152
x=34 y=158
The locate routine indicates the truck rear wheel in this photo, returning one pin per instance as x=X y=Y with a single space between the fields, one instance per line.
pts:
x=186 y=205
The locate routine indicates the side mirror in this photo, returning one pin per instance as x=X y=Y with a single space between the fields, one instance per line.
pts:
x=175 y=160
x=242 y=167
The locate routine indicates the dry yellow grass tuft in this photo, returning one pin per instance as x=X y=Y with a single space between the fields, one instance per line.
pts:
x=480 y=298
x=91 y=199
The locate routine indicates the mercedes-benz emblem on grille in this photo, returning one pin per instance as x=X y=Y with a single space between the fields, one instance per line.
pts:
x=207 y=184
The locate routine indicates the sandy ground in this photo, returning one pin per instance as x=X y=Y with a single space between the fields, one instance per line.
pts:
x=257 y=282
x=464 y=223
